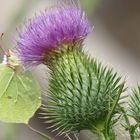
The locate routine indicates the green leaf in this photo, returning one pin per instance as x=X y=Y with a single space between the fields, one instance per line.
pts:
x=19 y=96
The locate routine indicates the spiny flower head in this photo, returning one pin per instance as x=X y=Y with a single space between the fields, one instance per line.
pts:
x=82 y=94
x=53 y=27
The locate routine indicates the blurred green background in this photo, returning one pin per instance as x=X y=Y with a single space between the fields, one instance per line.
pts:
x=115 y=41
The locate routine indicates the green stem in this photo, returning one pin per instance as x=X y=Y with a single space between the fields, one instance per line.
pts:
x=104 y=137
x=101 y=134
x=40 y=133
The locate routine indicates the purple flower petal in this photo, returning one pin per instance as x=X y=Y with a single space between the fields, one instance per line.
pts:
x=50 y=28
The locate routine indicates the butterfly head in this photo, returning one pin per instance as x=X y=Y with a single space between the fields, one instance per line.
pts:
x=9 y=58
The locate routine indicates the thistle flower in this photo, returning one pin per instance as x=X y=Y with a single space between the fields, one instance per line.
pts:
x=49 y=31
x=82 y=94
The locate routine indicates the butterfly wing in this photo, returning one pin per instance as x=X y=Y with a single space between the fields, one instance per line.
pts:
x=19 y=96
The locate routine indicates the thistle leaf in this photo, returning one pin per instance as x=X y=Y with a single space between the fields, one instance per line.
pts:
x=19 y=96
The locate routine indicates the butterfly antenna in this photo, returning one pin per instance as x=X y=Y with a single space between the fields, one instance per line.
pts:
x=1 y=47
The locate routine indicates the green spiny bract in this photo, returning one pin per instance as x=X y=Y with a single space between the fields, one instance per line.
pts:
x=81 y=92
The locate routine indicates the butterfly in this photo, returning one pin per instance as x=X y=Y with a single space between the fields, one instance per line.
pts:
x=19 y=92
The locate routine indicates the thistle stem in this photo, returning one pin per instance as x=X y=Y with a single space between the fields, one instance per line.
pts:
x=107 y=137
x=104 y=137
x=101 y=135
x=40 y=133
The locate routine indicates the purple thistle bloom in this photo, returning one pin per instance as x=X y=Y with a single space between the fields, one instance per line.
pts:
x=49 y=30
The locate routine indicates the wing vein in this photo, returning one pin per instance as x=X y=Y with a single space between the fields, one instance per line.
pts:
x=8 y=83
